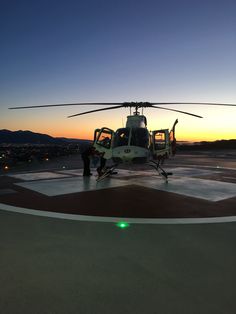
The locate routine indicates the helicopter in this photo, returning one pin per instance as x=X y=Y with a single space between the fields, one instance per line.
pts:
x=134 y=143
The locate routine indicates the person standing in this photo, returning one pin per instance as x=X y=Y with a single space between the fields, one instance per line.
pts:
x=86 y=150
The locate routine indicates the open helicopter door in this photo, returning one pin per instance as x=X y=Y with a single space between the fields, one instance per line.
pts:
x=103 y=141
x=173 y=139
x=160 y=143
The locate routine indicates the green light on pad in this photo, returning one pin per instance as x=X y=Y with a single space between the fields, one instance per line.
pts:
x=122 y=224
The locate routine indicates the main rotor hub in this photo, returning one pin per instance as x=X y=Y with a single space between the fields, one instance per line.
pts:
x=137 y=105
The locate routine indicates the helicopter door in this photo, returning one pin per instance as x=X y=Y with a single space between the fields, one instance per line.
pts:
x=103 y=141
x=160 y=142
x=173 y=139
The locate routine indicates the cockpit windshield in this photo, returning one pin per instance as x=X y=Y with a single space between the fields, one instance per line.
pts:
x=139 y=137
x=121 y=137
x=131 y=136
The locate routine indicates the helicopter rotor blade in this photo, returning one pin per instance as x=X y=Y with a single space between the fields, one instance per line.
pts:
x=125 y=104
x=184 y=112
x=96 y=110
x=72 y=104
x=192 y=103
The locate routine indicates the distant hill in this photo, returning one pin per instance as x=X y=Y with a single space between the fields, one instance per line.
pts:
x=28 y=137
x=222 y=144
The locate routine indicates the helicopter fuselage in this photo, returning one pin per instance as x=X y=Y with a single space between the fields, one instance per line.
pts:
x=133 y=143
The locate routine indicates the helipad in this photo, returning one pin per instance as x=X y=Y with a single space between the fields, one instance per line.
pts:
x=191 y=192
x=62 y=250
x=184 y=183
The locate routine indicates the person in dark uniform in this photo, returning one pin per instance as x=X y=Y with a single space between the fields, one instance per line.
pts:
x=87 y=150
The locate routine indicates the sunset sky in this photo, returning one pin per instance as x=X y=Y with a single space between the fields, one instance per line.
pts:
x=114 y=51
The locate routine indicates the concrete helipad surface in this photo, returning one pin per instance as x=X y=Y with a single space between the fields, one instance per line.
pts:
x=44 y=175
x=190 y=192
x=70 y=185
x=176 y=256
x=61 y=266
x=199 y=188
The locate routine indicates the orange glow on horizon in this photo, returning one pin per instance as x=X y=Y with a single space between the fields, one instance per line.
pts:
x=182 y=133
x=217 y=124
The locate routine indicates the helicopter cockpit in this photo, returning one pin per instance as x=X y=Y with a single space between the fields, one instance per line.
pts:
x=131 y=137
x=121 y=137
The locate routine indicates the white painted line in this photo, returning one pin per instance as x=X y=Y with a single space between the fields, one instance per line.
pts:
x=216 y=167
x=161 y=221
x=70 y=185
x=198 y=188
x=35 y=176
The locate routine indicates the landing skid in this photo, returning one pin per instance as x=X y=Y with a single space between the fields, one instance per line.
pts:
x=106 y=172
x=156 y=165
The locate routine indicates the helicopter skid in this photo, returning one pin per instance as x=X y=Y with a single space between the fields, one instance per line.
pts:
x=160 y=170
x=106 y=173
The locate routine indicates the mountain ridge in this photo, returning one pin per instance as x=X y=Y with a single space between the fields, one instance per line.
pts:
x=29 y=137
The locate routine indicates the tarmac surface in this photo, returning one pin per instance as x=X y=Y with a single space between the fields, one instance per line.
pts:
x=177 y=255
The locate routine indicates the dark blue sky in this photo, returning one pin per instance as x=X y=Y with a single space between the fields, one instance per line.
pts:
x=56 y=51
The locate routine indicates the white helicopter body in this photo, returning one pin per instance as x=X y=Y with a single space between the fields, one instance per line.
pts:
x=134 y=143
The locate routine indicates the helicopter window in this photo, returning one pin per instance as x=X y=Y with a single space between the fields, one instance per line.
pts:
x=159 y=140
x=104 y=139
x=139 y=137
x=121 y=137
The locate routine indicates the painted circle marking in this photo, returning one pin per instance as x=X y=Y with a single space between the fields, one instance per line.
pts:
x=161 y=221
